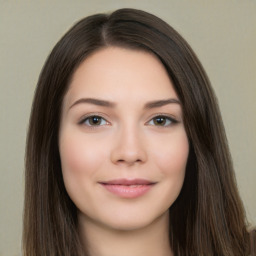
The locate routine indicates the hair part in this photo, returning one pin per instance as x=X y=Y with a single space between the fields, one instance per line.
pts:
x=207 y=218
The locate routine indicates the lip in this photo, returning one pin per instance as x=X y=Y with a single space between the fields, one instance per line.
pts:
x=128 y=188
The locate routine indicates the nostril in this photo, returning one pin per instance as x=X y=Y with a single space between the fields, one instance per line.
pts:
x=128 y=153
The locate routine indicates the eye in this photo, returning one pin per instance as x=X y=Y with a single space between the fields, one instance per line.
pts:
x=94 y=121
x=162 y=120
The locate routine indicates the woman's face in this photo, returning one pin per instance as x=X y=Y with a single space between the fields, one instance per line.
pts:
x=122 y=141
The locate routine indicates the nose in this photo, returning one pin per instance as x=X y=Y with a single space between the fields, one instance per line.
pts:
x=129 y=147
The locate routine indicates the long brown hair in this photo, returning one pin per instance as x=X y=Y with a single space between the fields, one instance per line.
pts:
x=208 y=216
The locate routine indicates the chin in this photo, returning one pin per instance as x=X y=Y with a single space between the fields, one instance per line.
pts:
x=131 y=221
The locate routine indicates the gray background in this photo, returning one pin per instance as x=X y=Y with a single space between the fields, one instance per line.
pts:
x=222 y=33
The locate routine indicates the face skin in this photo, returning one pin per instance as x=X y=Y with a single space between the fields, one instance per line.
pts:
x=127 y=141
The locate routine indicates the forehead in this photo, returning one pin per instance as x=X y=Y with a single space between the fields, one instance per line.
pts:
x=123 y=74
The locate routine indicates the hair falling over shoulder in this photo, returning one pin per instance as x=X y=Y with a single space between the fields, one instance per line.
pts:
x=208 y=217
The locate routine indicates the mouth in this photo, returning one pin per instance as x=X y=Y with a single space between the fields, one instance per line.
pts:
x=128 y=188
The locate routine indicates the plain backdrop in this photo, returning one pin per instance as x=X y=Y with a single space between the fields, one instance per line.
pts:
x=222 y=33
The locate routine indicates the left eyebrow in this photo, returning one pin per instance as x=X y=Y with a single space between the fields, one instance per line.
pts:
x=161 y=103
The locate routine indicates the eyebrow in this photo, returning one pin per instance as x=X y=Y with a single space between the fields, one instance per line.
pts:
x=93 y=101
x=104 y=103
x=160 y=103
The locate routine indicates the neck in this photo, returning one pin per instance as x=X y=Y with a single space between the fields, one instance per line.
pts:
x=151 y=240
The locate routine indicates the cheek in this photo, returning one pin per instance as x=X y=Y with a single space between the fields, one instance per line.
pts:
x=79 y=153
x=171 y=161
x=172 y=155
x=80 y=161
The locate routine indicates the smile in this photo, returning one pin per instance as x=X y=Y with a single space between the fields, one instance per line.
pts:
x=128 y=188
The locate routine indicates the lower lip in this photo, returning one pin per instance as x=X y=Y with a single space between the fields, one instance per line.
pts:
x=128 y=191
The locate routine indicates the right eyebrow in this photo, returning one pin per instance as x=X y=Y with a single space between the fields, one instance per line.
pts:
x=93 y=101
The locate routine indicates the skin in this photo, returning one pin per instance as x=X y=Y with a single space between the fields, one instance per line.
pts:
x=130 y=142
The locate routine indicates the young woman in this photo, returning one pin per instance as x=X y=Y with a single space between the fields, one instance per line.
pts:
x=126 y=150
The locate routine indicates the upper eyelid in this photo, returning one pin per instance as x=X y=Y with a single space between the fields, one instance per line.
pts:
x=84 y=117
x=105 y=117
x=172 y=117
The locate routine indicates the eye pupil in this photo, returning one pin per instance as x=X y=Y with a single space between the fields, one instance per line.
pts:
x=95 y=120
x=160 y=120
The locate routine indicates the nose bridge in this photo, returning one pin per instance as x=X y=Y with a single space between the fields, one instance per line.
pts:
x=129 y=146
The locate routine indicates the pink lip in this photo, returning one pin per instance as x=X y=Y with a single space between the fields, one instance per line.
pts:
x=128 y=188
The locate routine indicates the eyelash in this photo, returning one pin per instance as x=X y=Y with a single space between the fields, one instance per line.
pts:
x=88 y=117
x=171 y=121
x=167 y=118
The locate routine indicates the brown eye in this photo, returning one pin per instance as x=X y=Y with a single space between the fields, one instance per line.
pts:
x=163 y=121
x=159 y=120
x=94 y=121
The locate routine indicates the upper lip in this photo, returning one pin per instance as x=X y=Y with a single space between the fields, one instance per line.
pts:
x=128 y=182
